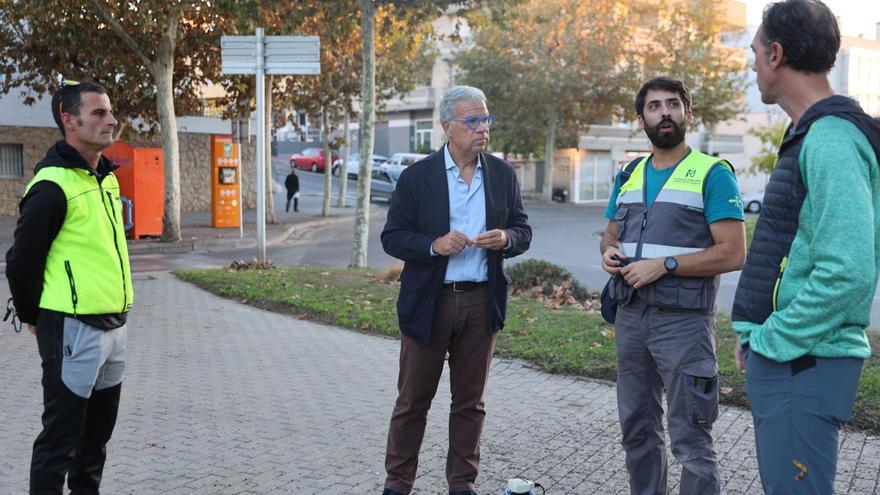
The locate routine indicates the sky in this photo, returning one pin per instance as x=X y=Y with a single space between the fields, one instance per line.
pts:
x=856 y=16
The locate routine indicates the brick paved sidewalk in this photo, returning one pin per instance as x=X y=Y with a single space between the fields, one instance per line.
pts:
x=221 y=398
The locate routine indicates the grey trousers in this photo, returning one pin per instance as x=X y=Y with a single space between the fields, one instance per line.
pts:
x=672 y=350
x=798 y=407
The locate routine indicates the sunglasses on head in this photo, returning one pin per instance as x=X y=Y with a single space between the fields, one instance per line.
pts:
x=65 y=84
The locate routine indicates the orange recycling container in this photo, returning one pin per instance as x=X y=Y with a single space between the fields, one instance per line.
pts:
x=225 y=182
x=141 y=176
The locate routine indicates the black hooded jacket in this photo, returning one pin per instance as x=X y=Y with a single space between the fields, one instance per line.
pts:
x=43 y=210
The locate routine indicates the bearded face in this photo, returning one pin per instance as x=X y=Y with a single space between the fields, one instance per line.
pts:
x=667 y=133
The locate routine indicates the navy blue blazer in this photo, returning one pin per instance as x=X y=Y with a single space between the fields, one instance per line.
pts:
x=419 y=214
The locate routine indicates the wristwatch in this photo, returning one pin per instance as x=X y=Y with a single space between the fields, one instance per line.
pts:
x=670 y=264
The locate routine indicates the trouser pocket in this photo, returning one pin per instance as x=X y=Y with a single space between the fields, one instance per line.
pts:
x=701 y=391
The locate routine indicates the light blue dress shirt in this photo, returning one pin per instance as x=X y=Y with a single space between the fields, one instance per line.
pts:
x=467 y=214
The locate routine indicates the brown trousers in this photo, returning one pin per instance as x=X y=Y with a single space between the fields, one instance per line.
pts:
x=459 y=327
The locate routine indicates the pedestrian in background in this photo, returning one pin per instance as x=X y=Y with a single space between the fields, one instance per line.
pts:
x=291 y=183
x=804 y=297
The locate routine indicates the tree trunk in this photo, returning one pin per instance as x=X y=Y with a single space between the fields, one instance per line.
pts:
x=547 y=190
x=368 y=116
x=120 y=128
x=270 y=181
x=163 y=71
x=343 y=167
x=328 y=161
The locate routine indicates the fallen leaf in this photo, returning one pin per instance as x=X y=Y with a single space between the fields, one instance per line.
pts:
x=595 y=345
x=726 y=390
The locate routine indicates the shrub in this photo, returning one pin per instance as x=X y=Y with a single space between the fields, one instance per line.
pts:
x=531 y=274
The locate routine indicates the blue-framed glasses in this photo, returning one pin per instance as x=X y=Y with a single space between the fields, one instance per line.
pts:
x=473 y=121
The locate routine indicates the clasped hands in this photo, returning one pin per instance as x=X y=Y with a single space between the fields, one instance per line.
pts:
x=454 y=242
x=637 y=273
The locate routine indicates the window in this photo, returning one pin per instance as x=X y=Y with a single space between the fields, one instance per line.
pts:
x=381 y=176
x=11 y=161
x=424 y=136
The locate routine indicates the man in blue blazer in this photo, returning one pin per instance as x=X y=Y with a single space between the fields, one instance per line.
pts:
x=454 y=217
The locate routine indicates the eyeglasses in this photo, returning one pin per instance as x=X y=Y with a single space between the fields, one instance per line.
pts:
x=473 y=121
x=67 y=83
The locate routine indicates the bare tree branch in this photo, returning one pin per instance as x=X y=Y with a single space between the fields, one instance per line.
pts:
x=120 y=31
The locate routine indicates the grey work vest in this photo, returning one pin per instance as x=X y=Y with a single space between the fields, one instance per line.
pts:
x=673 y=225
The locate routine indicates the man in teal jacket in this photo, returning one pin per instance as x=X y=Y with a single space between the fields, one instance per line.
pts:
x=804 y=296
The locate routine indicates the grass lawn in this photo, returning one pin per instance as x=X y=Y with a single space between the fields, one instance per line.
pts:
x=569 y=341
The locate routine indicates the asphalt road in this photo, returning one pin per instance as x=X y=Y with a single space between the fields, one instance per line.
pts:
x=567 y=235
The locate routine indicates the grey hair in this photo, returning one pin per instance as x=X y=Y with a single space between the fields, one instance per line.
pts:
x=455 y=95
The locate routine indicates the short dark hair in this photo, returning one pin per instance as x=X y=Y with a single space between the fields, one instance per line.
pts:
x=68 y=98
x=807 y=31
x=663 y=83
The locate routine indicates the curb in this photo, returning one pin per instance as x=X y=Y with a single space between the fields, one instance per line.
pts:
x=181 y=247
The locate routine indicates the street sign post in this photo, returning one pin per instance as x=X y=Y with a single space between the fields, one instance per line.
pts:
x=267 y=55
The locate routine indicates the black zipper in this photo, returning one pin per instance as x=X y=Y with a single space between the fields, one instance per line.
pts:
x=73 y=297
x=638 y=254
x=112 y=218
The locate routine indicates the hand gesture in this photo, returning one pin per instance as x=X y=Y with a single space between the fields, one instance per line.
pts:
x=450 y=244
x=612 y=259
x=643 y=272
x=494 y=239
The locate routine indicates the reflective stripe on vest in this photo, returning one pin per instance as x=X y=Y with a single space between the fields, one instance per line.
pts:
x=87 y=269
x=676 y=224
x=673 y=225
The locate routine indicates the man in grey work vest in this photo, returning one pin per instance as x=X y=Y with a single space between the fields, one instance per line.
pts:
x=675 y=224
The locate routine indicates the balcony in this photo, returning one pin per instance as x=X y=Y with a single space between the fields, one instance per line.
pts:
x=421 y=98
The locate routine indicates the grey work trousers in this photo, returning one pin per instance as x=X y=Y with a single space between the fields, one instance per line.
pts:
x=674 y=350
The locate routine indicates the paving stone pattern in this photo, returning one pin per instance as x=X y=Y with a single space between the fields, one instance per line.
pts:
x=222 y=398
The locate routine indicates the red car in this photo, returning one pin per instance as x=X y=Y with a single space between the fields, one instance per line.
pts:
x=310 y=159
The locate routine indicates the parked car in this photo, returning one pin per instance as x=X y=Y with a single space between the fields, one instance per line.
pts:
x=404 y=159
x=310 y=159
x=753 y=203
x=384 y=181
x=354 y=164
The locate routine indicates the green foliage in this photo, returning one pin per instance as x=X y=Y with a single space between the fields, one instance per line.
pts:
x=566 y=64
x=403 y=49
x=570 y=341
x=42 y=41
x=771 y=137
x=750 y=230
x=685 y=44
x=547 y=65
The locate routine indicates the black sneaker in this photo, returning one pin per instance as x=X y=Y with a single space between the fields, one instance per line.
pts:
x=389 y=491
x=466 y=492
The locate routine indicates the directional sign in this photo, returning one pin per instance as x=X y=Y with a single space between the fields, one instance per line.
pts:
x=282 y=55
x=262 y=56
